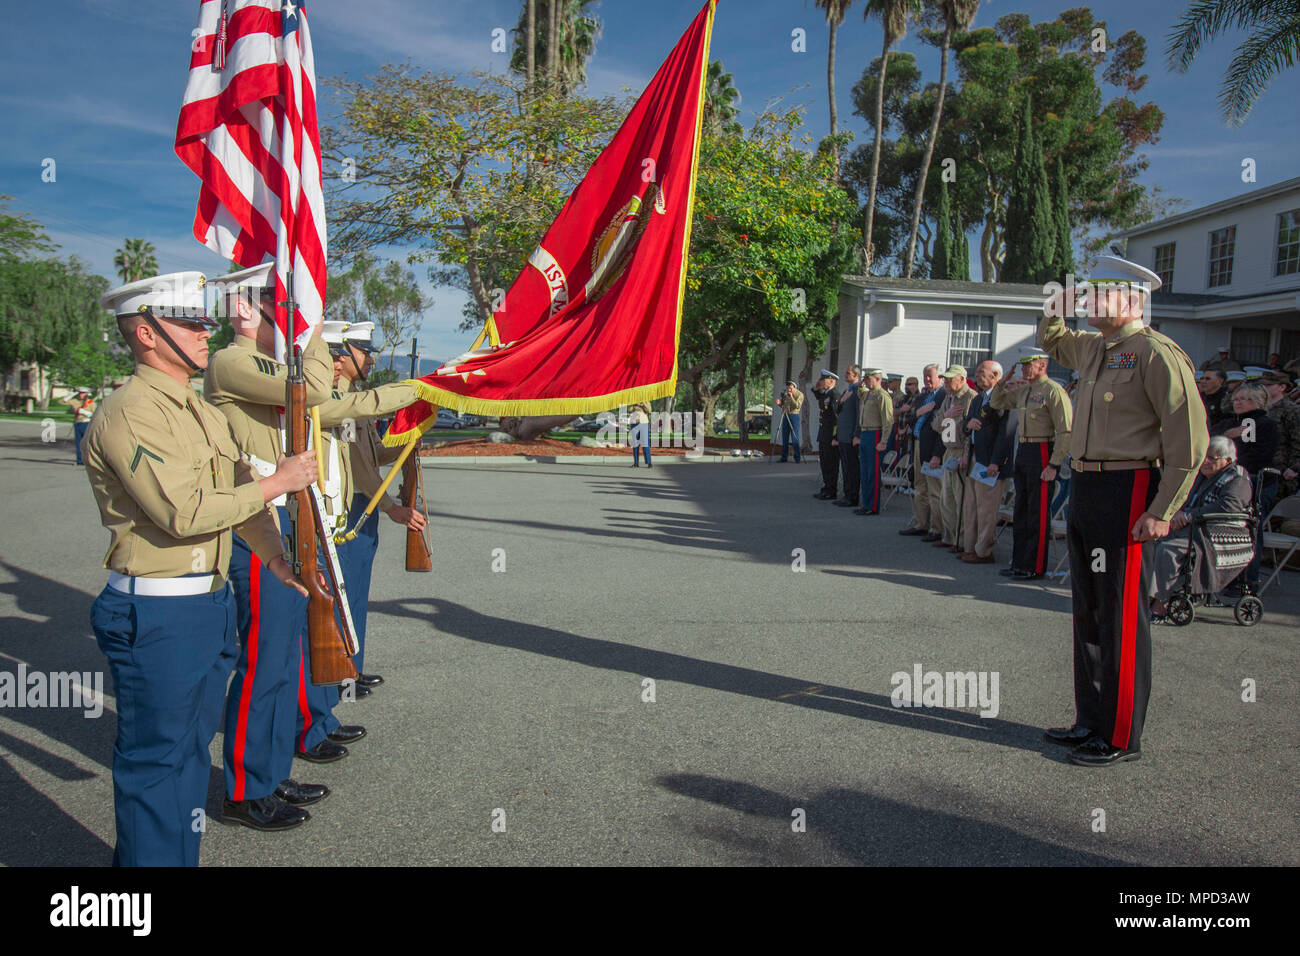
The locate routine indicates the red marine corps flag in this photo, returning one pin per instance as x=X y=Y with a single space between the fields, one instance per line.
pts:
x=248 y=130
x=592 y=321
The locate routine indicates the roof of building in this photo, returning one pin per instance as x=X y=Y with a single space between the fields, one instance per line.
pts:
x=1201 y=298
x=1255 y=195
x=946 y=285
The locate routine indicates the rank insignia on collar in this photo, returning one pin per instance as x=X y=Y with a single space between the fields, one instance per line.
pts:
x=1122 y=360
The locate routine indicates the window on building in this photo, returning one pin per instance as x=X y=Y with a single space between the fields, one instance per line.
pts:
x=835 y=346
x=970 y=341
x=1289 y=345
x=25 y=380
x=1250 y=346
x=1288 y=243
x=1222 y=243
x=1164 y=266
x=1055 y=369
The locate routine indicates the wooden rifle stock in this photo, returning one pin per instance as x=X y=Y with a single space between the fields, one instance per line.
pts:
x=418 y=557
x=330 y=661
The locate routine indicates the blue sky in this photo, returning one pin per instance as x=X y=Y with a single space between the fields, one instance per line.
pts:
x=102 y=99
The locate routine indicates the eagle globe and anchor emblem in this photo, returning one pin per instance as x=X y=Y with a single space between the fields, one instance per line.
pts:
x=610 y=255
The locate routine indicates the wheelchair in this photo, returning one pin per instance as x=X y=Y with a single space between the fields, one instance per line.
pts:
x=1225 y=535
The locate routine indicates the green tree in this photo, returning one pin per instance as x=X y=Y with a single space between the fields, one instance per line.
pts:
x=771 y=238
x=21 y=236
x=395 y=304
x=135 y=260
x=1030 y=227
x=894 y=16
x=836 y=11
x=720 y=99
x=48 y=307
x=447 y=167
x=1273 y=45
x=957 y=15
x=578 y=32
x=1063 y=262
x=941 y=260
x=961 y=251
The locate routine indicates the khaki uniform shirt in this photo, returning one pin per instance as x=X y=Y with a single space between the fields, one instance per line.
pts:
x=792 y=404
x=1137 y=401
x=343 y=424
x=875 y=409
x=368 y=455
x=249 y=389
x=1045 y=414
x=962 y=400
x=167 y=476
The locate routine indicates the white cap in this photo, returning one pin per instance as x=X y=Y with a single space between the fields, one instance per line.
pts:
x=1235 y=376
x=256 y=277
x=1254 y=371
x=177 y=295
x=1115 y=269
x=1225 y=348
x=360 y=334
x=332 y=332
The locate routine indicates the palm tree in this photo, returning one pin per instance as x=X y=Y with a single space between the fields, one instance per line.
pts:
x=957 y=15
x=894 y=16
x=1273 y=45
x=562 y=46
x=135 y=260
x=720 y=97
x=836 y=10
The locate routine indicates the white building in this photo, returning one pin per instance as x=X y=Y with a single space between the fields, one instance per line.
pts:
x=1231 y=272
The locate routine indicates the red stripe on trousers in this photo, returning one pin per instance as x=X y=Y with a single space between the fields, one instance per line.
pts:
x=1040 y=564
x=875 y=491
x=250 y=674
x=1129 y=604
x=302 y=697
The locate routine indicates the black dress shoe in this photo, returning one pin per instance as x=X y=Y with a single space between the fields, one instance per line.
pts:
x=324 y=752
x=1028 y=575
x=1067 y=736
x=360 y=691
x=1009 y=572
x=825 y=495
x=911 y=531
x=1097 y=752
x=846 y=503
x=301 y=794
x=865 y=511
x=369 y=680
x=347 y=734
x=266 y=813
x=931 y=538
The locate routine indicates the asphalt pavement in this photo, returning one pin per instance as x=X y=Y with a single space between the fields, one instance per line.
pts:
x=649 y=680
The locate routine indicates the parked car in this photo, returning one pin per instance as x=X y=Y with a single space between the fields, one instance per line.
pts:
x=447 y=419
x=760 y=423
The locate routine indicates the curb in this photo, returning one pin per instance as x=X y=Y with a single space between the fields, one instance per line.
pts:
x=620 y=461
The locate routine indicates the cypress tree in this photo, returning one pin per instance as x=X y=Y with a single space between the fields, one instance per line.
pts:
x=941 y=261
x=1061 y=213
x=1030 y=235
x=961 y=251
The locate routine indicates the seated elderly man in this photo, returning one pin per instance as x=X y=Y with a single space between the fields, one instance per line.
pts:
x=1221 y=488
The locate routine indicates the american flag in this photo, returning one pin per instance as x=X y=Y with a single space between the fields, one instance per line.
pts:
x=248 y=130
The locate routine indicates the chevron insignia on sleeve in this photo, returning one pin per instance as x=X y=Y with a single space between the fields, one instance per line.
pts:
x=265 y=365
x=142 y=452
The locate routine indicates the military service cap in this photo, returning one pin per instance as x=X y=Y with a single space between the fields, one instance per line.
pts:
x=177 y=295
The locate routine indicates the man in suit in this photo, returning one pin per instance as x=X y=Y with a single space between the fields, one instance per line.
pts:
x=846 y=429
x=992 y=437
x=925 y=490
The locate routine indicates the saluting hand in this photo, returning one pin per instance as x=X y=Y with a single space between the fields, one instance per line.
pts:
x=1149 y=528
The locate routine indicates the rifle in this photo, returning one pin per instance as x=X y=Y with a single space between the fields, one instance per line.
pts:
x=331 y=662
x=418 y=556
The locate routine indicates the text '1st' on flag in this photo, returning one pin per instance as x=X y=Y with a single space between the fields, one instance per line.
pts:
x=592 y=321
x=248 y=130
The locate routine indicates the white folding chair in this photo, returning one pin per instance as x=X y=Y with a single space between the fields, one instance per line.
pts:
x=1276 y=541
x=1058 y=531
x=894 y=476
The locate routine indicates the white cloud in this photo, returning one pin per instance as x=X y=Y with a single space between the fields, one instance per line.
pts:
x=79 y=108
